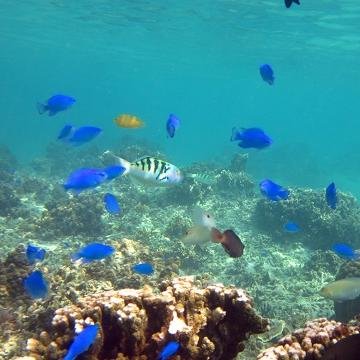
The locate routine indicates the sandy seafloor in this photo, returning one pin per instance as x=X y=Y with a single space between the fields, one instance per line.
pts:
x=282 y=272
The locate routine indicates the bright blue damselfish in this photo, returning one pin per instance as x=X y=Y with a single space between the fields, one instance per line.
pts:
x=267 y=73
x=82 y=342
x=143 y=269
x=34 y=253
x=85 y=178
x=92 y=252
x=56 y=104
x=251 y=138
x=35 y=285
x=273 y=191
x=114 y=171
x=291 y=227
x=111 y=204
x=172 y=124
x=78 y=136
x=330 y=196
x=345 y=251
x=168 y=350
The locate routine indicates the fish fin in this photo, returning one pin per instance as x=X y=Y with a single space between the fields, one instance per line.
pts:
x=122 y=162
x=216 y=235
x=41 y=108
x=296 y=2
x=235 y=134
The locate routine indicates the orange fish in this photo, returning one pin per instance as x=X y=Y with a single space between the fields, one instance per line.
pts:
x=128 y=121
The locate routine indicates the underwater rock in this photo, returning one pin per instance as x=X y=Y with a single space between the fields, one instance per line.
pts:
x=80 y=215
x=8 y=161
x=320 y=225
x=9 y=202
x=211 y=322
x=238 y=162
x=309 y=342
x=346 y=310
x=231 y=184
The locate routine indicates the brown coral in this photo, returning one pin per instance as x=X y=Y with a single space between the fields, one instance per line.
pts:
x=310 y=342
x=209 y=322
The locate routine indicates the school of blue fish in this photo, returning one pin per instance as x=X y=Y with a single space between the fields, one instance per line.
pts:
x=152 y=171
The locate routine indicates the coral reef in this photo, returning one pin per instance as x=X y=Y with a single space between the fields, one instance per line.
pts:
x=80 y=215
x=211 y=322
x=310 y=342
x=8 y=162
x=9 y=201
x=317 y=221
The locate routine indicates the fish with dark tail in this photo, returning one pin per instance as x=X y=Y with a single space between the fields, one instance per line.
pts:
x=345 y=349
x=288 y=3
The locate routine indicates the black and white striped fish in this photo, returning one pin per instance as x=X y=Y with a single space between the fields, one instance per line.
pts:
x=152 y=171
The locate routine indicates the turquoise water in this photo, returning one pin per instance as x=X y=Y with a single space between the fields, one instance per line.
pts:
x=198 y=59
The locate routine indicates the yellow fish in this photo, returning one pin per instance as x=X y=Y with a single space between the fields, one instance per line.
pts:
x=128 y=121
x=342 y=290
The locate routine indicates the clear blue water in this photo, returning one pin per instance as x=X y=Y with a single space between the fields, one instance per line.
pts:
x=198 y=59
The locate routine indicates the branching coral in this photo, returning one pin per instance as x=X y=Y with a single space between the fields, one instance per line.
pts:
x=211 y=322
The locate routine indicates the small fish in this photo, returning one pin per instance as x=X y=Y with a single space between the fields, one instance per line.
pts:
x=251 y=138
x=330 y=196
x=35 y=285
x=34 y=253
x=205 y=179
x=288 y=3
x=168 y=350
x=273 y=191
x=151 y=171
x=143 y=269
x=85 y=178
x=267 y=73
x=291 y=227
x=56 y=104
x=82 y=342
x=229 y=241
x=345 y=251
x=128 y=121
x=78 y=136
x=342 y=290
x=345 y=349
x=172 y=125
x=92 y=252
x=111 y=204
x=114 y=171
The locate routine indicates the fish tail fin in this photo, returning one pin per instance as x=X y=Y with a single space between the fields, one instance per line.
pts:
x=235 y=134
x=108 y=156
x=296 y=2
x=41 y=108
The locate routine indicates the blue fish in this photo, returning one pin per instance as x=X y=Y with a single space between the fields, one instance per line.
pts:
x=168 y=350
x=65 y=132
x=291 y=227
x=251 y=138
x=143 y=269
x=330 y=195
x=114 y=171
x=78 y=136
x=34 y=253
x=82 y=342
x=56 y=104
x=345 y=251
x=85 y=178
x=267 y=73
x=273 y=191
x=288 y=3
x=35 y=285
x=92 y=252
x=172 y=124
x=111 y=204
